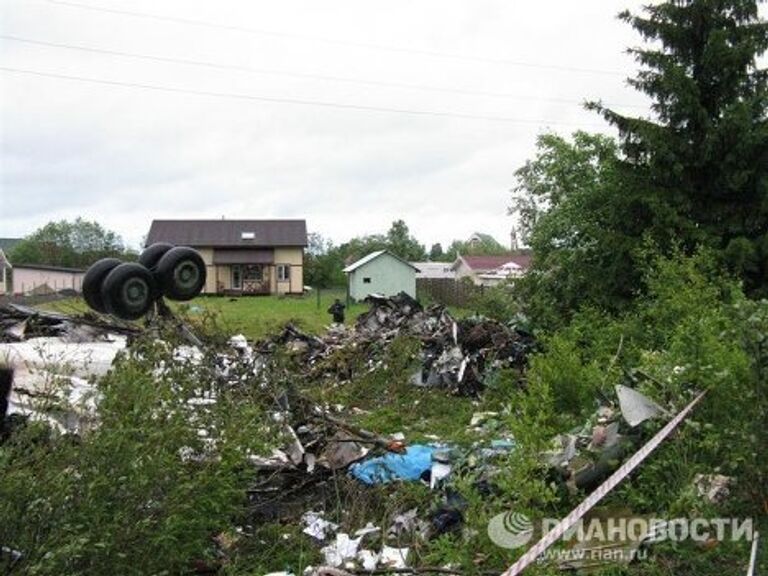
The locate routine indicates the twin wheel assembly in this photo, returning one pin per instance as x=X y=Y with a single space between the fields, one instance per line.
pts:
x=128 y=290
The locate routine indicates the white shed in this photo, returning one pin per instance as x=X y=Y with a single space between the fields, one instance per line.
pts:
x=382 y=273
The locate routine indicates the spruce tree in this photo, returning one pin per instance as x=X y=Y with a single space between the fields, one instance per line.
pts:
x=696 y=171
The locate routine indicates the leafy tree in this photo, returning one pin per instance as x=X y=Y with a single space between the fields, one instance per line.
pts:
x=575 y=217
x=702 y=164
x=397 y=240
x=359 y=246
x=323 y=263
x=76 y=244
x=401 y=243
x=695 y=174
x=436 y=252
x=484 y=245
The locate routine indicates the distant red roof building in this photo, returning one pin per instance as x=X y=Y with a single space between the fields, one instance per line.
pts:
x=490 y=270
x=486 y=263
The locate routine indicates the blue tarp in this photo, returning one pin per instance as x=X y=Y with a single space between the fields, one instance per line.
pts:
x=416 y=460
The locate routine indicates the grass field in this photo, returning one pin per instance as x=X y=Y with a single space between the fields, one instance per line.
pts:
x=258 y=316
x=253 y=316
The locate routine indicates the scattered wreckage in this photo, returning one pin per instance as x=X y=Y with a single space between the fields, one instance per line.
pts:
x=51 y=362
x=455 y=355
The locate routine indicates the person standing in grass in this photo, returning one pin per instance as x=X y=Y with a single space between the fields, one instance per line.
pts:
x=337 y=311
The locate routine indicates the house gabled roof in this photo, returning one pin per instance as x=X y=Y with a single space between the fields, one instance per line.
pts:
x=372 y=256
x=488 y=263
x=229 y=233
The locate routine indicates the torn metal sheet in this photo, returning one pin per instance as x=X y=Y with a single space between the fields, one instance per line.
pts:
x=52 y=378
x=636 y=408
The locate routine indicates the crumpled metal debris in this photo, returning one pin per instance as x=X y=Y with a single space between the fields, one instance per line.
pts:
x=715 y=488
x=408 y=523
x=455 y=355
x=341 y=450
x=19 y=323
x=585 y=456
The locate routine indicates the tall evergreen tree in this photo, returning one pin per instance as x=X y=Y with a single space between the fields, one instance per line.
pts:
x=697 y=171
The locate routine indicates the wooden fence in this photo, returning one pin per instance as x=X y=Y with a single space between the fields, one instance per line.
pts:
x=447 y=291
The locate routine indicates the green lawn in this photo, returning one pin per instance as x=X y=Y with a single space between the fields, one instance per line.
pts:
x=259 y=316
x=253 y=316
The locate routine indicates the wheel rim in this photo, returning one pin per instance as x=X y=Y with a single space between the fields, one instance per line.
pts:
x=135 y=293
x=186 y=275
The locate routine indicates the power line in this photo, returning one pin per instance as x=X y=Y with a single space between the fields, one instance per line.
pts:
x=272 y=72
x=296 y=101
x=366 y=45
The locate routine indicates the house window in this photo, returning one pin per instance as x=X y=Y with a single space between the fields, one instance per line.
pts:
x=283 y=272
x=366 y=280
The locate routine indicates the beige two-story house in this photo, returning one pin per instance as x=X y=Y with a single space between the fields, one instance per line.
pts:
x=242 y=256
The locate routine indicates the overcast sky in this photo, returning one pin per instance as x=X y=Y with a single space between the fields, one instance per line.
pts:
x=155 y=137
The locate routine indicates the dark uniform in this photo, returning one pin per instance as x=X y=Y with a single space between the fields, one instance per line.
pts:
x=337 y=310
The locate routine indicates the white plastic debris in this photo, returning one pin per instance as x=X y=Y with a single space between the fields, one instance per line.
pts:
x=317 y=526
x=369 y=528
x=394 y=557
x=240 y=343
x=440 y=470
x=368 y=559
x=188 y=354
x=343 y=549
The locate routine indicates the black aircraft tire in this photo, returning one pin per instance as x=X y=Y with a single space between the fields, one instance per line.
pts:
x=152 y=254
x=93 y=280
x=181 y=273
x=129 y=291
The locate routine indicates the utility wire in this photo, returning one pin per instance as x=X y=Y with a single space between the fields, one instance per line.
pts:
x=272 y=72
x=366 y=45
x=296 y=101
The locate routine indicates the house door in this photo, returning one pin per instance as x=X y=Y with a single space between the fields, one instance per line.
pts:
x=250 y=278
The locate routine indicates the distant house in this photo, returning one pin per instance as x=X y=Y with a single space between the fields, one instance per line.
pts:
x=382 y=273
x=242 y=256
x=491 y=270
x=37 y=279
x=434 y=270
x=478 y=240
